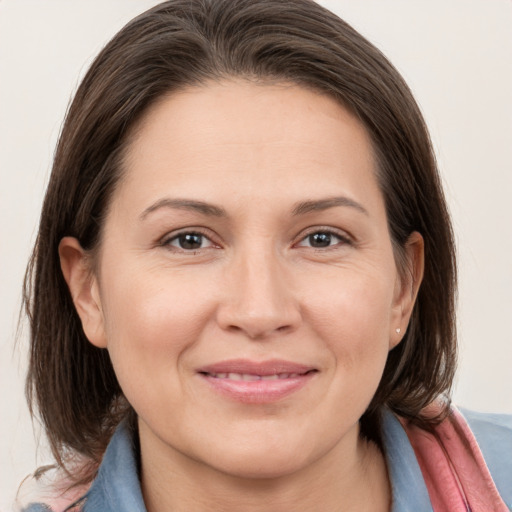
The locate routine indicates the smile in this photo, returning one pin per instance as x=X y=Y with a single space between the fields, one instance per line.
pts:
x=256 y=382
x=249 y=377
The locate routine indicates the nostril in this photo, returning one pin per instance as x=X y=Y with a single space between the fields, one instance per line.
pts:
x=257 y=318
x=259 y=329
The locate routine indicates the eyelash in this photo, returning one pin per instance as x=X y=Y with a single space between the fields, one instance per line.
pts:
x=343 y=239
x=167 y=241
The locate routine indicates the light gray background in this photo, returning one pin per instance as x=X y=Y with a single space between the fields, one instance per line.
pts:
x=456 y=56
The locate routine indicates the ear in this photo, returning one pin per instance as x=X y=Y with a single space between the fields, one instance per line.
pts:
x=407 y=287
x=84 y=289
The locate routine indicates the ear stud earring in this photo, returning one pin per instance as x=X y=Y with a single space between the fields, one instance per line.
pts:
x=398 y=330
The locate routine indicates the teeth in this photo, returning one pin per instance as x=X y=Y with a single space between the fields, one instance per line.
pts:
x=250 y=377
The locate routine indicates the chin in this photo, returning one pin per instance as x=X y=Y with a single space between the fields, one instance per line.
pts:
x=261 y=466
x=262 y=458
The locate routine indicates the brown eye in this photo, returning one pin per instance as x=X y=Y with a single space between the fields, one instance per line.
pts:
x=323 y=239
x=189 y=241
x=320 y=239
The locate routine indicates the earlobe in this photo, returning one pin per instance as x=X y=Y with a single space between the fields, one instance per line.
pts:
x=84 y=290
x=408 y=286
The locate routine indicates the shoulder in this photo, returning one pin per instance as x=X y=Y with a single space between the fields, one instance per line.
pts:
x=49 y=489
x=486 y=425
x=116 y=486
x=493 y=433
x=42 y=507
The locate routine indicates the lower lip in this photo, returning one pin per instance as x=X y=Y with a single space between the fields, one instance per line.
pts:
x=258 y=391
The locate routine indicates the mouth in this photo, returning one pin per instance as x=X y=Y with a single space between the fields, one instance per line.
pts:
x=250 y=377
x=256 y=382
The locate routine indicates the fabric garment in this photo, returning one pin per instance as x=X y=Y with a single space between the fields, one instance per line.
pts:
x=453 y=467
x=117 y=488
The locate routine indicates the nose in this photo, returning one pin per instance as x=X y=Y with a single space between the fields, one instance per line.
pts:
x=258 y=298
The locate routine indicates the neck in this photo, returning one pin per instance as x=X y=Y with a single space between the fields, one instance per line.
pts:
x=343 y=480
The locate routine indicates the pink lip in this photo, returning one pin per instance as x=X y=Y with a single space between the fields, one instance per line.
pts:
x=283 y=379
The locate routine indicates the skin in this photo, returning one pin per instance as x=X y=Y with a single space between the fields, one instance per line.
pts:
x=256 y=287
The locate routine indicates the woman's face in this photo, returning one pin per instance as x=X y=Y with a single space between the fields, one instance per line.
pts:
x=246 y=289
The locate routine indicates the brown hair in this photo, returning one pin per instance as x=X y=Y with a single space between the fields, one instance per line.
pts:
x=186 y=42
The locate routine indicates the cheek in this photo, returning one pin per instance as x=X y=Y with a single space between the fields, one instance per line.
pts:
x=351 y=305
x=150 y=321
x=352 y=317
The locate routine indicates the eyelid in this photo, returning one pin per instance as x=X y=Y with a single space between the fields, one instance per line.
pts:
x=342 y=235
x=165 y=240
x=173 y=235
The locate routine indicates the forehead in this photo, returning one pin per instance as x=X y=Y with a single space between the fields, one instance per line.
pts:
x=249 y=138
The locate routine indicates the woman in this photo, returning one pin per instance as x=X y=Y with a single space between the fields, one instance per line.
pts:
x=248 y=276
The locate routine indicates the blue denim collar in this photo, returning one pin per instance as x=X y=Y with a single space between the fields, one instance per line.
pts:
x=117 y=486
x=407 y=485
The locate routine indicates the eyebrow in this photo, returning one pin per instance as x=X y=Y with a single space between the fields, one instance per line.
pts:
x=185 y=204
x=324 y=204
x=216 y=211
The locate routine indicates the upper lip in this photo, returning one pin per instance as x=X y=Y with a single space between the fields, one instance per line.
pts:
x=245 y=366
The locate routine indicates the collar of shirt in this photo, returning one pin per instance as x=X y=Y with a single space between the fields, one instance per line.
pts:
x=117 y=485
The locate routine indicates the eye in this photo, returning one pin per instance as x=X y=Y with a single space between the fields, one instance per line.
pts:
x=189 y=241
x=323 y=239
